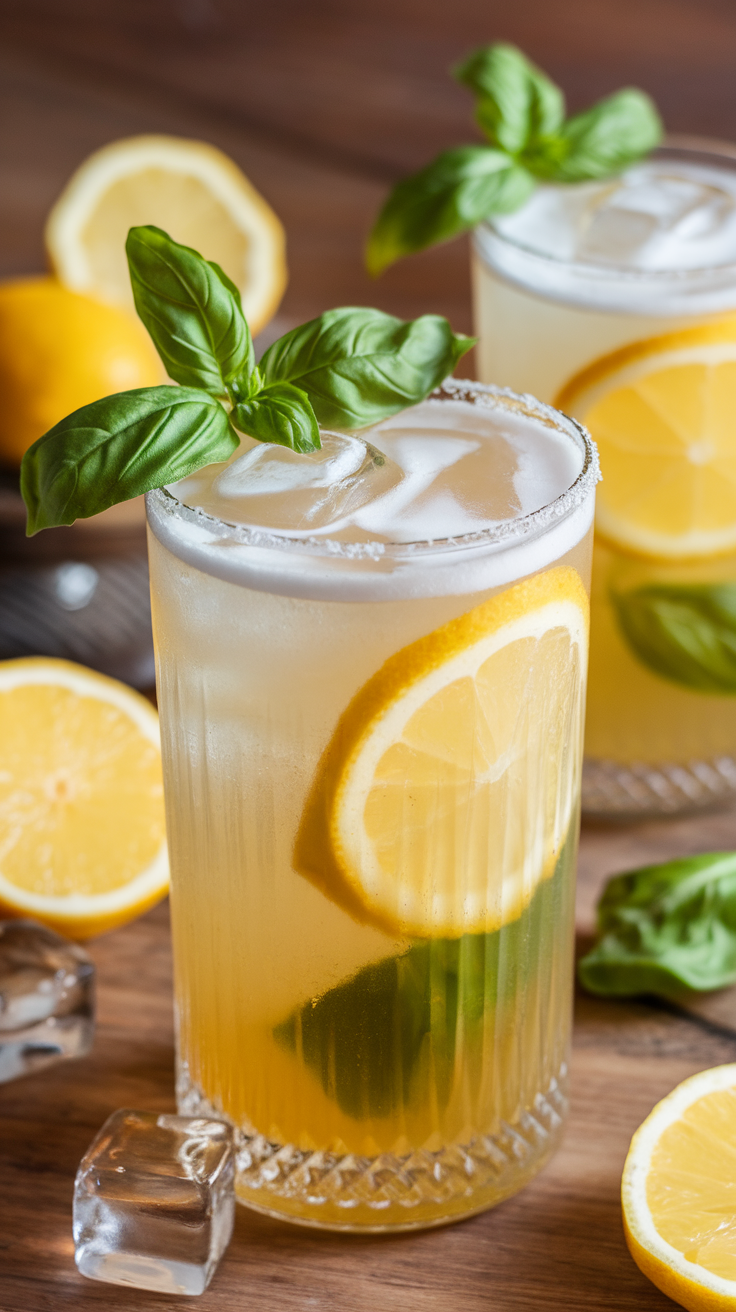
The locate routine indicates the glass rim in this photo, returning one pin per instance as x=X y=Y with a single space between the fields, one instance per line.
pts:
x=502 y=534
x=673 y=145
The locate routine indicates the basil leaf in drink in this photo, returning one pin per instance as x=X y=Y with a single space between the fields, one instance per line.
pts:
x=452 y=194
x=282 y=414
x=517 y=103
x=601 y=141
x=389 y=1036
x=192 y=311
x=666 y=927
x=685 y=633
x=117 y=448
x=358 y=365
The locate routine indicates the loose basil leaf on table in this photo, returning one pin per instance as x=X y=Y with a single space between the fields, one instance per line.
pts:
x=665 y=928
x=359 y=365
x=282 y=414
x=192 y=311
x=685 y=633
x=452 y=194
x=522 y=114
x=118 y=447
x=517 y=102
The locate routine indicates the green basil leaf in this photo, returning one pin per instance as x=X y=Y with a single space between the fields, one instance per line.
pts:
x=388 y=1037
x=601 y=141
x=666 y=927
x=359 y=365
x=281 y=413
x=192 y=311
x=517 y=102
x=451 y=195
x=118 y=447
x=685 y=633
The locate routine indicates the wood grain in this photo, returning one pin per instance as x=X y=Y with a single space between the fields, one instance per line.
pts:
x=557 y=1244
x=324 y=104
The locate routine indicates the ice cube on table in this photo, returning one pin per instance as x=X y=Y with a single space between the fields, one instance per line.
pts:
x=154 y=1201
x=46 y=998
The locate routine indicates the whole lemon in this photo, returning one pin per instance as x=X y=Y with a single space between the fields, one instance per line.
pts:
x=59 y=351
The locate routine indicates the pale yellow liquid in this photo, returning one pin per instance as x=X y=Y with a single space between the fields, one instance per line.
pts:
x=633 y=715
x=376 y=1082
x=247 y=707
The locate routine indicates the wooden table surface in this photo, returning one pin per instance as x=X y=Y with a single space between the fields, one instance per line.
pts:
x=324 y=103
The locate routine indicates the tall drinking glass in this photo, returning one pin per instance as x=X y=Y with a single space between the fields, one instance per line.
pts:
x=371 y=667
x=580 y=272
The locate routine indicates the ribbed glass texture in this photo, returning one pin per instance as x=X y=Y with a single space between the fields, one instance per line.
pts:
x=377 y=998
x=375 y=1081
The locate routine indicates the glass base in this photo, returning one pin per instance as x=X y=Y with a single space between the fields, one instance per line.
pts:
x=612 y=791
x=422 y=1189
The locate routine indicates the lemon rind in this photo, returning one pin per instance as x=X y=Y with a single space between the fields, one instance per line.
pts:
x=87 y=914
x=329 y=871
x=665 y=1265
x=70 y=213
x=707 y=344
x=518 y=886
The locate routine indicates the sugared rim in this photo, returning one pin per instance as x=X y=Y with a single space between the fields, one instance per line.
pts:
x=672 y=147
x=508 y=532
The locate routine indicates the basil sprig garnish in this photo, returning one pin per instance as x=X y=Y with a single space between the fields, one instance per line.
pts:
x=683 y=632
x=521 y=112
x=664 y=928
x=346 y=369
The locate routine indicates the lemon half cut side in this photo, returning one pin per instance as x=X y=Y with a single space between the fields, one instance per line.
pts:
x=190 y=189
x=447 y=790
x=662 y=412
x=678 y=1193
x=82 y=833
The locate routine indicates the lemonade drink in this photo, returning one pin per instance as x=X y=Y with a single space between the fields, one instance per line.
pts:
x=580 y=272
x=371 y=665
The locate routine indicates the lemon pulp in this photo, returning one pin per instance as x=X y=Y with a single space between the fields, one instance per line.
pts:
x=81 y=798
x=469 y=733
x=661 y=412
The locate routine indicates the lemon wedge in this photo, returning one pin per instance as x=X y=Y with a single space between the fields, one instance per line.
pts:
x=448 y=788
x=662 y=412
x=678 y=1193
x=82 y=836
x=193 y=191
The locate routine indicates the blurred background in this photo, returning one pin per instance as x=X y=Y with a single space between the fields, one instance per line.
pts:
x=324 y=104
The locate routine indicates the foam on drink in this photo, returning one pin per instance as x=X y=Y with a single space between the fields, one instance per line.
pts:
x=465 y=473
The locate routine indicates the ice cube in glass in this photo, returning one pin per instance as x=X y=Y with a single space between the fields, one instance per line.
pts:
x=154 y=1201
x=46 y=998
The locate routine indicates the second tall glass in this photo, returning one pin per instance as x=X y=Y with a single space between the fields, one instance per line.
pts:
x=601 y=277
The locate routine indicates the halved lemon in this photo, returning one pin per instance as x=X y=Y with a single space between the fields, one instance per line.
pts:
x=82 y=835
x=663 y=412
x=449 y=785
x=193 y=191
x=678 y=1193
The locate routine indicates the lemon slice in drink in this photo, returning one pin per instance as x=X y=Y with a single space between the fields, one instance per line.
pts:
x=82 y=837
x=663 y=414
x=678 y=1193
x=447 y=790
x=193 y=191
